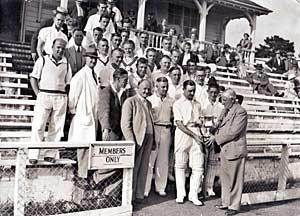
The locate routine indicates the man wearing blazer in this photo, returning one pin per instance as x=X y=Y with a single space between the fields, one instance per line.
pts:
x=137 y=126
x=231 y=137
x=112 y=98
x=187 y=54
x=75 y=53
x=277 y=63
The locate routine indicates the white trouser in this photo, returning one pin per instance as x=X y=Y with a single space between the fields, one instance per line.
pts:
x=188 y=151
x=52 y=107
x=159 y=160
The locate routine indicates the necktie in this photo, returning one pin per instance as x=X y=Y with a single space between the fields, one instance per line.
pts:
x=78 y=49
x=94 y=76
x=78 y=59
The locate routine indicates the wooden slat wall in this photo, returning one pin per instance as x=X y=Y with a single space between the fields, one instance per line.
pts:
x=32 y=13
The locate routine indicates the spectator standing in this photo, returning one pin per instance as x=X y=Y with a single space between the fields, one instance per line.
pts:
x=188 y=143
x=47 y=23
x=74 y=53
x=130 y=59
x=165 y=64
x=137 y=126
x=112 y=99
x=166 y=49
x=50 y=79
x=175 y=86
x=162 y=117
x=106 y=74
x=80 y=12
x=212 y=108
x=94 y=40
x=151 y=57
x=132 y=16
x=93 y=21
x=194 y=42
x=140 y=74
x=124 y=36
x=115 y=13
x=163 y=27
x=48 y=34
x=231 y=137
x=201 y=88
x=151 y=23
x=191 y=69
x=246 y=41
x=103 y=57
x=83 y=104
x=187 y=54
x=115 y=41
x=211 y=53
x=143 y=44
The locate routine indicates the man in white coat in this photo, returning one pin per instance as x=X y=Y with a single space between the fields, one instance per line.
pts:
x=83 y=104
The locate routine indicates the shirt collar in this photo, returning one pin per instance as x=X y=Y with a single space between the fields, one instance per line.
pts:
x=63 y=60
x=53 y=26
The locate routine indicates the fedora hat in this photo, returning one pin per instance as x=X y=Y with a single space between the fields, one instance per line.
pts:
x=259 y=66
x=91 y=51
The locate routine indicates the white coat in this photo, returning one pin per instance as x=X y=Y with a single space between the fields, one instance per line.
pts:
x=83 y=102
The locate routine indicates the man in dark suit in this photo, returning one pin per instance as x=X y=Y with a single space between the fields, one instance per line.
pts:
x=46 y=23
x=137 y=126
x=211 y=53
x=260 y=82
x=112 y=100
x=187 y=54
x=80 y=11
x=290 y=63
x=75 y=53
x=231 y=137
x=277 y=63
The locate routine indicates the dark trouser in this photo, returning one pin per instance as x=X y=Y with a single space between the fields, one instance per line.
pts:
x=140 y=170
x=267 y=90
x=232 y=180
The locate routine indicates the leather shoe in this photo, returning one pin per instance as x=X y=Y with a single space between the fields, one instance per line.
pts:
x=33 y=161
x=49 y=159
x=231 y=212
x=222 y=207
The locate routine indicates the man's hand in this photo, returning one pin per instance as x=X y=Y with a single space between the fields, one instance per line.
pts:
x=105 y=135
x=211 y=140
x=34 y=56
x=198 y=139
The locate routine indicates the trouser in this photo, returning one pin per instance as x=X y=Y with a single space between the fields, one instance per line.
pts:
x=142 y=155
x=267 y=90
x=189 y=151
x=159 y=160
x=232 y=180
x=52 y=107
x=212 y=169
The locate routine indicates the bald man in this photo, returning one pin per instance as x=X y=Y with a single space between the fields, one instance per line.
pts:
x=231 y=137
x=137 y=126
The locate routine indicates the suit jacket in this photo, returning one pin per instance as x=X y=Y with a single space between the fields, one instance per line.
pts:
x=274 y=63
x=263 y=78
x=46 y=23
x=71 y=56
x=133 y=119
x=110 y=109
x=193 y=57
x=80 y=19
x=290 y=63
x=210 y=54
x=231 y=133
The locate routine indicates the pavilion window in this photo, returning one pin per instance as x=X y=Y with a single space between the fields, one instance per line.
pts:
x=184 y=17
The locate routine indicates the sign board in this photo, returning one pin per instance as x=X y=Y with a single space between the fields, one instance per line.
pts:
x=111 y=155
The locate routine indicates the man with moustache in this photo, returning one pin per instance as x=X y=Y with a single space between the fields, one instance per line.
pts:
x=231 y=137
x=137 y=126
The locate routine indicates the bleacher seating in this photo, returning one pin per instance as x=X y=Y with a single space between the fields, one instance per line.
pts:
x=269 y=117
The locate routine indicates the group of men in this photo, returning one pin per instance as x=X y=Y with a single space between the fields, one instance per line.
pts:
x=167 y=110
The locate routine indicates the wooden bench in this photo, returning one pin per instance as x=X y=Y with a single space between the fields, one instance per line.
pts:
x=12 y=82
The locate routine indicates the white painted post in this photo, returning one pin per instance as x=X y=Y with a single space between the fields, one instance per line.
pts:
x=64 y=4
x=141 y=14
x=202 y=26
x=253 y=36
x=20 y=178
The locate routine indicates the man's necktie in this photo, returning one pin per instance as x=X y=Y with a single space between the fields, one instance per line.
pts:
x=94 y=76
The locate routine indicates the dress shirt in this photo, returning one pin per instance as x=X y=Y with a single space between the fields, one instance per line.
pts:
x=119 y=93
x=175 y=91
x=162 y=109
x=48 y=35
x=201 y=94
